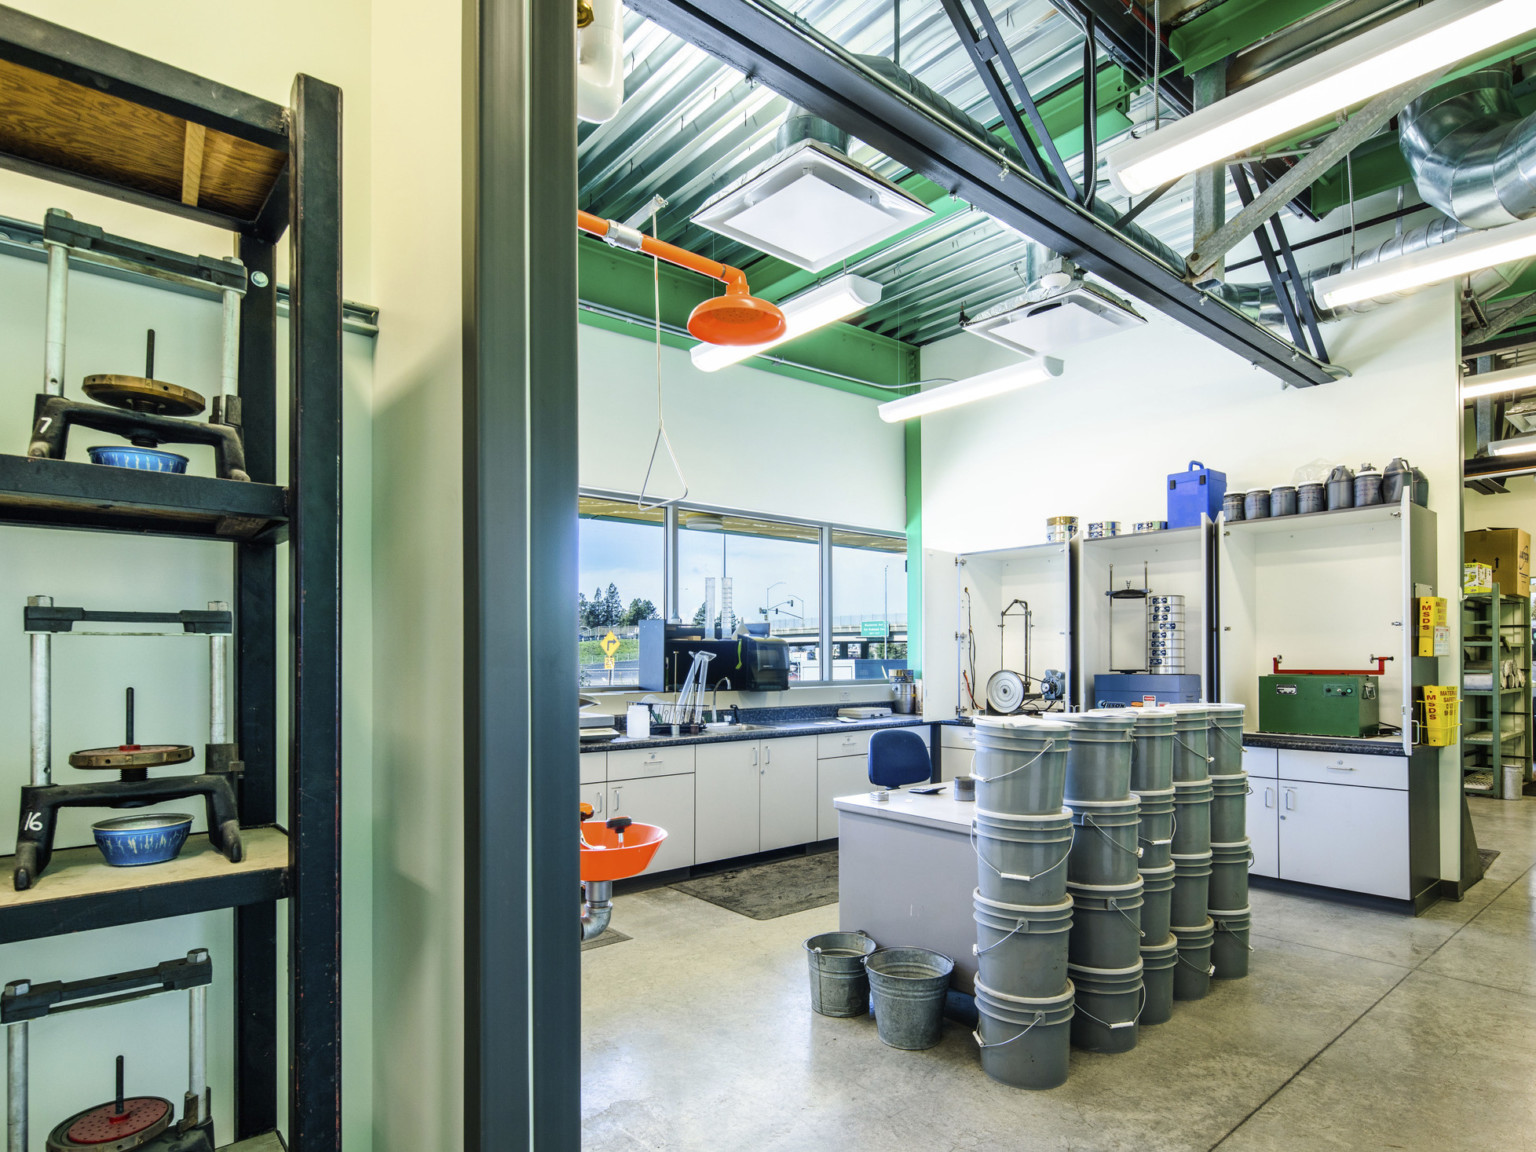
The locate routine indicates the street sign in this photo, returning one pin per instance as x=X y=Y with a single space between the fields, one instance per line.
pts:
x=874 y=629
x=610 y=645
x=608 y=663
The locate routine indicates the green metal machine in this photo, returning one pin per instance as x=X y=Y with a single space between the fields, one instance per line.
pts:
x=1318 y=705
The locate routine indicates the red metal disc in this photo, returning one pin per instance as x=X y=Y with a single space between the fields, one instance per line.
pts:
x=103 y=1125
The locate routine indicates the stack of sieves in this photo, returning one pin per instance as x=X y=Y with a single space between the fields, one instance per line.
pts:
x=1022 y=836
x=1104 y=956
x=1166 y=635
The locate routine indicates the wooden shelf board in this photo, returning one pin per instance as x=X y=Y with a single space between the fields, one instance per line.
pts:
x=72 y=494
x=80 y=890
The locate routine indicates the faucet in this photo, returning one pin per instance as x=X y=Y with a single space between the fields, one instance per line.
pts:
x=714 y=702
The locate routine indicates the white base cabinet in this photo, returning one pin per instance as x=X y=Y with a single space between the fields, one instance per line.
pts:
x=754 y=796
x=663 y=800
x=839 y=776
x=1264 y=826
x=787 y=793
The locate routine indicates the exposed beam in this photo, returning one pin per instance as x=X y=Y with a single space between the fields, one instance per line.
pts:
x=1230 y=27
x=808 y=68
x=192 y=163
x=1503 y=319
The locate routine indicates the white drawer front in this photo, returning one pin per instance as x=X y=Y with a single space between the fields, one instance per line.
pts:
x=1260 y=762
x=594 y=767
x=953 y=737
x=830 y=744
x=639 y=763
x=1344 y=768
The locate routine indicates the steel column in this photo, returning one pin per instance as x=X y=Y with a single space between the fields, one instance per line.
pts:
x=809 y=69
x=522 y=971
x=1210 y=206
x=314 y=762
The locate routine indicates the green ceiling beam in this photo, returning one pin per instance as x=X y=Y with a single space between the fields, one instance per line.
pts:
x=1378 y=166
x=618 y=288
x=1233 y=26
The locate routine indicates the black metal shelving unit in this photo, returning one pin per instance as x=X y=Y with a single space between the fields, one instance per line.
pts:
x=87 y=114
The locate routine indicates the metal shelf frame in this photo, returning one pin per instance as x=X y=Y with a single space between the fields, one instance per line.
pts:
x=1501 y=625
x=303 y=200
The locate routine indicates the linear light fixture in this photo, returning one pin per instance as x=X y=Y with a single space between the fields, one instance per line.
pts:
x=1418 y=43
x=1498 y=383
x=1469 y=252
x=1516 y=447
x=815 y=308
x=971 y=389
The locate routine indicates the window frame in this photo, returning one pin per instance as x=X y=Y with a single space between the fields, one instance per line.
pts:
x=825 y=529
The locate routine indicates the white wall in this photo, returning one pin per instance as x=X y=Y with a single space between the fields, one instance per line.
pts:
x=747 y=440
x=1513 y=509
x=1099 y=442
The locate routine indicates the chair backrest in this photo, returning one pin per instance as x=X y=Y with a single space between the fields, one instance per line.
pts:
x=898 y=756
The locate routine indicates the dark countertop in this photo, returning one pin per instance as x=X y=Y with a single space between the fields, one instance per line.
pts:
x=771 y=732
x=1366 y=745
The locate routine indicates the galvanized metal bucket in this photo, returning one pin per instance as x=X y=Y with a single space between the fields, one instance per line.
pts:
x=1019 y=950
x=1230 y=946
x=1025 y=1043
x=1022 y=859
x=1155 y=834
x=1229 y=874
x=1020 y=770
x=1108 y=1007
x=1156 y=902
x=839 y=985
x=1106 y=925
x=907 y=988
x=1157 y=964
x=1192 y=974
x=1105 y=849
x=1229 y=807
x=1192 y=818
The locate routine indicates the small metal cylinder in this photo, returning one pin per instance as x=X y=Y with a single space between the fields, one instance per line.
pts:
x=229 y=370
x=197 y=1047
x=42 y=699
x=16 y=1087
x=55 y=319
x=218 y=681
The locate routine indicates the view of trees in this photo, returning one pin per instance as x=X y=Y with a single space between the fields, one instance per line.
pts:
x=605 y=609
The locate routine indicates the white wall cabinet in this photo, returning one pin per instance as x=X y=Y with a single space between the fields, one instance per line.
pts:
x=663 y=800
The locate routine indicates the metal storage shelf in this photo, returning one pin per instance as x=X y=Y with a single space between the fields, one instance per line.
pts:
x=1499 y=626
x=1313 y=521
x=80 y=891
x=68 y=494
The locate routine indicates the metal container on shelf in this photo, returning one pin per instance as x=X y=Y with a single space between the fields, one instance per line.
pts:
x=1256 y=504
x=1101 y=529
x=1232 y=506
x=1151 y=525
x=1282 y=500
x=1311 y=498
x=1060 y=529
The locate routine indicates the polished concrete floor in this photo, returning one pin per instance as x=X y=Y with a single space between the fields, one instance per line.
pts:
x=1356 y=1030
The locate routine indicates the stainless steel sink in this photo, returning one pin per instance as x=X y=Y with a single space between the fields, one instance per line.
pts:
x=740 y=727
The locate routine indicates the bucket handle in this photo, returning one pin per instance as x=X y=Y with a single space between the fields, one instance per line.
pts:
x=1131 y=1023
x=1088 y=823
x=816 y=951
x=1015 y=876
x=1207 y=758
x=1210 y=970
x=1050 y=746
x=1221 y=926
x=980 y=1043
x=1235 y=741
x=1174 y=831
x=1111 y=902
x=1021 y=926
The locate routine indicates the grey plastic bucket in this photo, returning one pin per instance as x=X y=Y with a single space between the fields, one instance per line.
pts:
x=839 y=984
x=1191 y=743
x=1108 y=1007
x=1024 y=1043
x=1157 y=964
x=1099 y=757
x=1192 y=818
x=1155 y=833
x=1020 y=770
x=1191 y=890
x=1022 y=951
x=1192 y=974
x=907 y=987
x=1230 y=946
x=1156 y=902
x=1104 y=847
x=1022 y=859
x=1106 y=925
x=1229 y=874
x=1229 y=807
x=1152 y=750
x=1225 y=740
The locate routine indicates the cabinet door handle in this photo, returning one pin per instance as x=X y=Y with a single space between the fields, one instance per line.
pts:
x=754 y=756
x=767 y=754
x=600 y=802
x=1341 y=768
x=1290 y=799
x=1269 y=797
x=617 y=800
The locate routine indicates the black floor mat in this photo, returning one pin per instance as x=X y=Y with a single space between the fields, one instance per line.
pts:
x=609 y=936
x=1487 y=856
x=768 y=891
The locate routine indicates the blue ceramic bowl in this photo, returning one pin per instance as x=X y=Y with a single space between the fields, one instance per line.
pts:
x=144 y=459
x=151 y=838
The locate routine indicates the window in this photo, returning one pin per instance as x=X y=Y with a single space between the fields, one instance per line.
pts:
x=733 y=569
x=754 y=571
x=622 y=570
x=869 y=592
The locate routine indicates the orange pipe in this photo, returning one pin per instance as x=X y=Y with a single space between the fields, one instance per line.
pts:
x=734 y=279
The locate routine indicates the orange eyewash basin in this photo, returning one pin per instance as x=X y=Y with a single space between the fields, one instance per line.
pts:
x=603 y=858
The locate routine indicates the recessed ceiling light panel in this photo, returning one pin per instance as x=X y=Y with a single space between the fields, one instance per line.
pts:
x=812 y=206
x=1053 y=320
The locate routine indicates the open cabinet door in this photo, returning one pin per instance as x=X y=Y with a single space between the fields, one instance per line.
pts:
x=941 y=614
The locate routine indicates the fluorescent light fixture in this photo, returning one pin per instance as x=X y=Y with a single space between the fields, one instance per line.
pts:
x=812 y=206
x=1418 y=43
x=1498 y=383
x=971 y=389
x=1469 y=252
x=1516 y=447
x=815 y=308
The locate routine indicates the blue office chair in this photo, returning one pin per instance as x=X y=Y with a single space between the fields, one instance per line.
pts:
x=896 y=757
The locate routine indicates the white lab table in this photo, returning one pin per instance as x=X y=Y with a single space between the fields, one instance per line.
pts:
x=906 y=873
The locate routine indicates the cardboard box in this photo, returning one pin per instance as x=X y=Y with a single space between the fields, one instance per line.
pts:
x=1507 y=551
x=1476 y=578
x=1434 y=629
